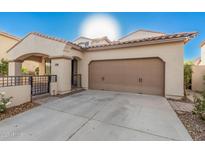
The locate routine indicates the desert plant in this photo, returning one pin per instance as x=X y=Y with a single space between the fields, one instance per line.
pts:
x=4 y=101
x=3 y=67
x=199 y=107
x=188 y=74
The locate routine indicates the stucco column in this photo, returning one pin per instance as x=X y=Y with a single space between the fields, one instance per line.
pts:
x=61 y=66
x=42 y=66
x=15 y=68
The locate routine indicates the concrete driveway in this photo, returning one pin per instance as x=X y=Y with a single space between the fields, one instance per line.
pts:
x=97 y=115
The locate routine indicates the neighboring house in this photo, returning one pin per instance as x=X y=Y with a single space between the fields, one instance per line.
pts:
x=199 y=71
x=150 y=64
x=85 y=42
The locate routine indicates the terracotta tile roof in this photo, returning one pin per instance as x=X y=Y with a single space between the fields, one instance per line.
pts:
x=141 y=30
x=185 y=35
x=47 y=37
x=54 y=38
x=202 y=43
x=10 y=36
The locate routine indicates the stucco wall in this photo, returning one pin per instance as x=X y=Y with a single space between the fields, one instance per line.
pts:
x=99 y=42
x=37 y=44
x=62 y=68
x=202 y=55
x=170 y=53
x=20 y=94
x=79 y=40
x=198 y=84
x=5 y=44
x=68 y=51
x=53 y=88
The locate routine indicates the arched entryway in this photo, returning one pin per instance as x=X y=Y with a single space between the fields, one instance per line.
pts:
x=37 y=66
x=30 y=64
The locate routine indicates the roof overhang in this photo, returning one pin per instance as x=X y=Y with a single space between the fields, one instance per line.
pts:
x=136 y=44
x=180 y=37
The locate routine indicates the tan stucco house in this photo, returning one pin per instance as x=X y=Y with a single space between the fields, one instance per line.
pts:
x=199 y=71
x=142 y=62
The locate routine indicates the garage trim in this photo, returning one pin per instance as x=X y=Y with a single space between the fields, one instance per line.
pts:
x=164 y=67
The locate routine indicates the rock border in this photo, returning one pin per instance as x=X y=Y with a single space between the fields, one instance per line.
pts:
x=12 y=111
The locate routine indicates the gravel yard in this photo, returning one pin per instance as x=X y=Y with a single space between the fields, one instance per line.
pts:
x=193 y=123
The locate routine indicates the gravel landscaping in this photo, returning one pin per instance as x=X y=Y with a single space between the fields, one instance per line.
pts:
x=17 y=109
x=193 y=123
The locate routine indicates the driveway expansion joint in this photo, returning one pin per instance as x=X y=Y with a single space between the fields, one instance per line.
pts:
x=137 y=130
x=81 y=127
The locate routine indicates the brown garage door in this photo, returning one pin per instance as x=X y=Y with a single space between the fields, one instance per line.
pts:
x=133 y=75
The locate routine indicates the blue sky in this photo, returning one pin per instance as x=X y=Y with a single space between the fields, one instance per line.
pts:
x=67 y=25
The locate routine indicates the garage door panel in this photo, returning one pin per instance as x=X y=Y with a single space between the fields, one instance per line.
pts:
x=124 y=75
x=152 y=76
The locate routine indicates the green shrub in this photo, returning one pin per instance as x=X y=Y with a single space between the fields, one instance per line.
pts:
x=199 y=107
x=3 y=67
x=188 y=74
x=24 y=70
x=4 y=101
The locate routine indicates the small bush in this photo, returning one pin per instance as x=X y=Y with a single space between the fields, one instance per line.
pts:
x=4 y=101
x=188 y=74
x=3 y=67
x=199 y=107
x=24 y=70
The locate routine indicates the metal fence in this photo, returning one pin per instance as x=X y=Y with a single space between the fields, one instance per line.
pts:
x=39 y=84
x=76 y=81
x=8 y=81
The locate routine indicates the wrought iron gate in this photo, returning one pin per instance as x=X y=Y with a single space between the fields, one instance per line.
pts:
x=41 y=84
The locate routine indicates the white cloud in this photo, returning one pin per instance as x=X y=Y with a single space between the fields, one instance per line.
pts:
x=99 y=25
